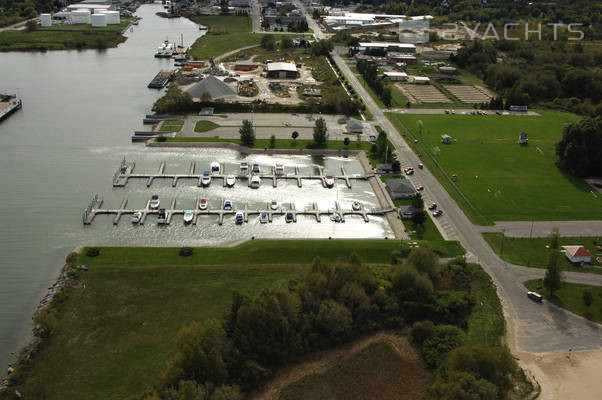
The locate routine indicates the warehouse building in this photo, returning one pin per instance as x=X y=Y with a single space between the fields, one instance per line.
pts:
x=280 y=70
x=388 y=46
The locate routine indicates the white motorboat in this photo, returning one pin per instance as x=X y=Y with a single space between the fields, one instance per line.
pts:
x=289 y=217
x=215 y=168
x=155 y=202
x=274 y=205
x=203 y=204
x=230 y=180
x=356 y=206
x=263 y=217
x=256 y=169
x=244 y=168
x=206 y=178
x=239 y=217
x=188 y=216
x=329 y=181
x=227 y=205
x=336 y=217
x=162 y=216
x=279 y=170
x=136 y=217
x=255 y=182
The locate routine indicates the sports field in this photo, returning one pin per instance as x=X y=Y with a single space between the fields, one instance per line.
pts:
x=500 y=179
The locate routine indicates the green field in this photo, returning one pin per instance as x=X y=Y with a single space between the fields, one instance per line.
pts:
x=205 y=126
x=570 y=296
x=226 y=33
x=64 y=37
x=499 y=180
x=264 y=251
x=117 y=328
x=172 y=126
x=533 y=252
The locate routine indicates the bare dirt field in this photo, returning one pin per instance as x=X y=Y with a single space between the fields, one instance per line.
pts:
x=380 y=366
x=469 y=93
x=423 y=93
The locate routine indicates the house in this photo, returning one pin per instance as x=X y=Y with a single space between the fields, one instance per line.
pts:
x=244 y=66
x=282 y=70
x=355 y=126
x=522 y=138
x=407 y=212
x=446 y=139
x=400 y=188
x=577 y=254
x=384 y=169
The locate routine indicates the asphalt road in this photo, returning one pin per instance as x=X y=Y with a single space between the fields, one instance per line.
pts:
x=544 y=228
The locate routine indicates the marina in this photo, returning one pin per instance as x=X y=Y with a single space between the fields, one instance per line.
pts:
x=165 y=215
x=125 y=172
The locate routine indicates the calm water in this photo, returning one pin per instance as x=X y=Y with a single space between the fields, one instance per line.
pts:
x=80 y=109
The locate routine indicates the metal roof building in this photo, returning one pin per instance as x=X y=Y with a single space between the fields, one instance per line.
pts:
x=282 y=70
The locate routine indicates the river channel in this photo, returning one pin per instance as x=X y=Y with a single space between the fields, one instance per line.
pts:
x=80 y=109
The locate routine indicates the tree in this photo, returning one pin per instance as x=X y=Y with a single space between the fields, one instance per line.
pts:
x=553 y=280
x=346 y=141
x=286 y=42
x=206 y=97
x=334 y=322
x=418 y=218
x=247 y=133
x=444 y=339
x=174 y=100
x=268 y=42
x=396 y=166
x=272 y=142
x=295 y=135
x=31 y=26
x=463 y=386
x=386 y=97
x=424 y=260
x=417 y=201
x=320 y=132
x=580 y=150
x=224 y=7
x=587 y=297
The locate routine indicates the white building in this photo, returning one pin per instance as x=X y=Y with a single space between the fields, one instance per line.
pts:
x=423 y=80
x=577 y=254
x=388 y=46
x=396 y=76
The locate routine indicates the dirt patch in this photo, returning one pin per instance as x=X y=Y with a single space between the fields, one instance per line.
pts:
x=423 y=93
x=469 y=93
x=380 y=366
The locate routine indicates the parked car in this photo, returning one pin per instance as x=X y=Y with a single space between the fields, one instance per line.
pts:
x=433 y=206
x=372 y=138
x=420 y=165
x=420 y=188
x=536 y=297
x=437 y=213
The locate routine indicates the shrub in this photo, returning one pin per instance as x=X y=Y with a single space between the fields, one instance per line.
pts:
x=71 y=258
x=186 y=251
x=161 y=138
x=445 y=338
x=421 y=331
x=93 y=252
x=587 y=297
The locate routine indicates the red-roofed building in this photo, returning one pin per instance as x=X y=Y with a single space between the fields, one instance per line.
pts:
x=577 y=254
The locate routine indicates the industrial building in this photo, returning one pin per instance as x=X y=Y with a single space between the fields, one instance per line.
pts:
x=387 y=46
x=338 y=20
x=282 y=70
x=244 y=66
x=396 y=76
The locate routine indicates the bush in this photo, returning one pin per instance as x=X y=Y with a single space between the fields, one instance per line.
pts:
x=161 y=138
x=186 y=251
x=445 y=338
x=93 y=252
x=71 y=258
x=421 y=331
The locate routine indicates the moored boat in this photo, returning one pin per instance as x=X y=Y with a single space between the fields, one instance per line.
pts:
x=230 y=180
x=206 y=178
x=336 y=217
x=227 y=205
x=239 y=217
x=162 y=216
x=136 y=217
x=255 y=182
x=356 y=206
x=244 y=168
x=188 y=216
x=203 y=204
x=289 y=217
x=215 y=168
x=329 y=181
x=279 y=170
x=263 y=217
x=274 y=205
x=155 y=202
x=256 y=169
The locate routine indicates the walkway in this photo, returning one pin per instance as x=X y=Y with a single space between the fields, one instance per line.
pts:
x=544 y=228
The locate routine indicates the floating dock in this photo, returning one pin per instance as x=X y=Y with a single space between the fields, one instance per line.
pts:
x=95 y=208
x=161 y=79
x=8 y=105
x=125 y=172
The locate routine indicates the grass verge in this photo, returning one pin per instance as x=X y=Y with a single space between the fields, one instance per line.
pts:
x=533 y=252
x=226 y=33
x=172 y=126
x=570 y=296
x=205 y=126
x=486 y=322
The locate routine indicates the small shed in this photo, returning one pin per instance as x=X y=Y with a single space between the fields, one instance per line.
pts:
x=577 y=254
x=355 y=126
x=206 y=111
x=523 y=138
x=384 y=169
x=446 y=139
x=244 y=66
x=400 y=188
x=407 y=212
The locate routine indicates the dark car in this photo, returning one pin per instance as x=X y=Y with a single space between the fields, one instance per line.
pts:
x=536 y=297
x=433 y=206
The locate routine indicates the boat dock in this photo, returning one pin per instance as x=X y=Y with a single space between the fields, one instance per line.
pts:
x=95 y=208
x=161 y=79
x=8 y=105
x=125 y=172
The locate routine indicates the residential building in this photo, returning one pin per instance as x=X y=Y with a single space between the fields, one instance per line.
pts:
x=400 y=188
x=577 y=254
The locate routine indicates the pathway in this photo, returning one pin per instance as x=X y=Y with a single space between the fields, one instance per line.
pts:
x=544 y=228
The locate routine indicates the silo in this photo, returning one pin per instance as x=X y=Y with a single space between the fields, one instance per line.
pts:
x=112 y=17
x=99 y=20
x=80 y=17
x=45 y=19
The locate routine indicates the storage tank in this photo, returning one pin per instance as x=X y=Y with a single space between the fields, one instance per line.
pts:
x=80 y=17
x=112 y=17
x=45 y=19
x=99 y=20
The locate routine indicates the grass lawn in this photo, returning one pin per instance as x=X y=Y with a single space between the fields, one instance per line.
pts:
x=172 y=126
x=280 y=143
x=486 y=322
x=570 y=296
x=377 y=372
x=205 y=126
x=117 y=328
x=226 y=33
x=63 y=37
x=514 y=182
x=534 y=253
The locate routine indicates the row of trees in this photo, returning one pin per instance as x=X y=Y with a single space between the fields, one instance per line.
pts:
x=580 y=149
x=331 y=305
x=369 y=72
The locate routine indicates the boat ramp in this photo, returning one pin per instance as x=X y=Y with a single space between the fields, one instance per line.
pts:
x=125 y=172
x=95 y=208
